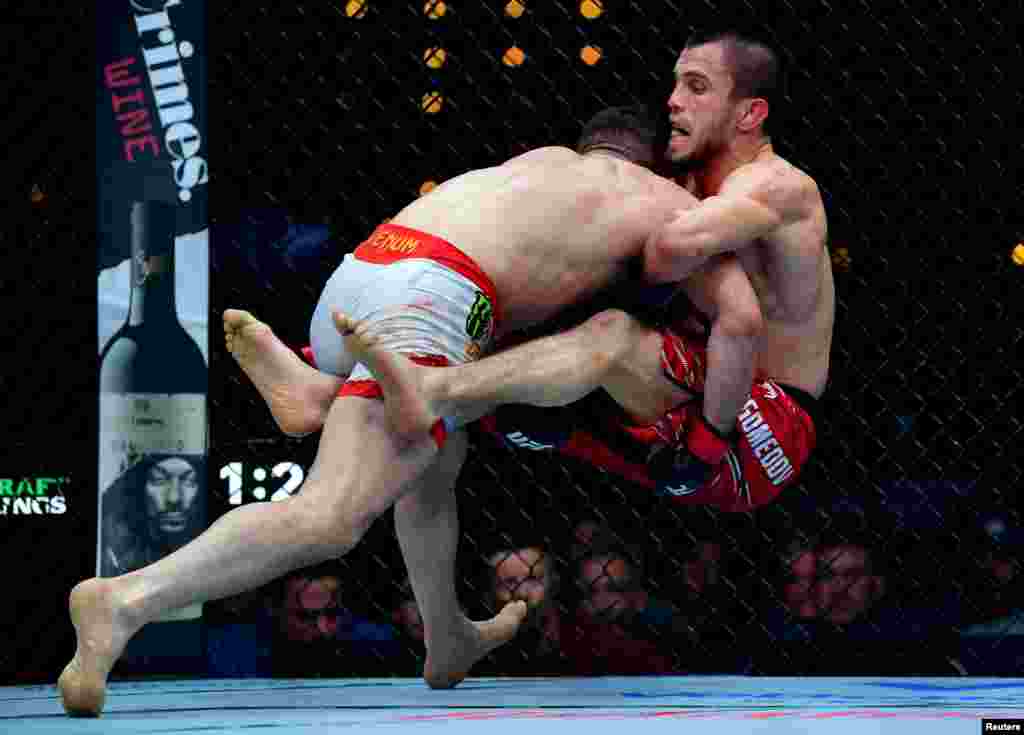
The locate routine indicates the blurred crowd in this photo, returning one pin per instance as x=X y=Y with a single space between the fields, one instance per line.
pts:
x=923 y=580
x=848 y=599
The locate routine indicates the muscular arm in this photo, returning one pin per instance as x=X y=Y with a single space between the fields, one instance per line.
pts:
x=719 y=286
x=723 y=292
x=753 y=203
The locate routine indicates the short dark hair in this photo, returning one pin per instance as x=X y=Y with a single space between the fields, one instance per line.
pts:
x=755 y=66
x=623 y=128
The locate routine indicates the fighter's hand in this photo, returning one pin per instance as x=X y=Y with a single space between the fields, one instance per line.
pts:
x=685 y=471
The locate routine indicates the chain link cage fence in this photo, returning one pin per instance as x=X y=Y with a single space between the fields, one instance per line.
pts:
x=899 y=551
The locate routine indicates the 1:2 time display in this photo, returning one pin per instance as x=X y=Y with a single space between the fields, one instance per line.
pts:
x=237 y=475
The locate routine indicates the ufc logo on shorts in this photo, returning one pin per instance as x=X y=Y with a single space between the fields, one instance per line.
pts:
x=681 y=490
x=525 y=442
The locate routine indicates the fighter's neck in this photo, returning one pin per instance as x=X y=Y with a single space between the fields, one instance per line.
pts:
x=710 y=177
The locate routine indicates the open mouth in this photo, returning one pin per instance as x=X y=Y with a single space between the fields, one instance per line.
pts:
x=678 y=135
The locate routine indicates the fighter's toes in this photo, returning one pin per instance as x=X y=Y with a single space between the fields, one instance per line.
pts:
x=504 y=626
x=450 y=661
x=235 y=319
x=344 y=323
x=357 y=337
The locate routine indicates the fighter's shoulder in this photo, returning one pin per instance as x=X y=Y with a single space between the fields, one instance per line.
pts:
x=777 y=183
x=546 y=154
x=663 y=189
x=800 y=184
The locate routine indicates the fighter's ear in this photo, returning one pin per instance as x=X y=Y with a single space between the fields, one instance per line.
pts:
x=753 y=114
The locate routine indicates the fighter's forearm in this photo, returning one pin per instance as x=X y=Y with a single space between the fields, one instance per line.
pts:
x=730 y=373
x=717 y=225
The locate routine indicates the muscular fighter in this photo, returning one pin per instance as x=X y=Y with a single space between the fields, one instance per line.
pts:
x=718 y=110
x=754 y=204
x=533 y=235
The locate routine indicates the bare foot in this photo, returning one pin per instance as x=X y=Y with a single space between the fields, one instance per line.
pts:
x=298 y=396
x=411 y=412
x=102 y=633
x=449 y=661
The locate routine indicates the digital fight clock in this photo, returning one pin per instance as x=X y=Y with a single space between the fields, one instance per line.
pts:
x=253 y=482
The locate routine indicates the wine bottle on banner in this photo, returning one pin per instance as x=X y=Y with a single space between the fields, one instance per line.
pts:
x=153 y=429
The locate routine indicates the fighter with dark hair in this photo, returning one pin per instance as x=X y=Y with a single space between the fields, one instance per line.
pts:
x=619 y=130
x=755 y=424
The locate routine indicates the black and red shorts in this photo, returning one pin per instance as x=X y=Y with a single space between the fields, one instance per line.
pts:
x=776 y=429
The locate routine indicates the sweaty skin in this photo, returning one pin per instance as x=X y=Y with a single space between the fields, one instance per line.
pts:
x=791 y=272
x=550 y=226
x=753 y=203
x=787 y=263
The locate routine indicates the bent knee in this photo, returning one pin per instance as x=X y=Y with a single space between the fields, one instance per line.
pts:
x=610 y=320
x=612 y=335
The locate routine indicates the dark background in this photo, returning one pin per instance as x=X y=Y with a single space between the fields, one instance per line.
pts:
x=906 y=122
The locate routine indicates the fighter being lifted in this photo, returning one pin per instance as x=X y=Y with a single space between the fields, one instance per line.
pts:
x=755 y=204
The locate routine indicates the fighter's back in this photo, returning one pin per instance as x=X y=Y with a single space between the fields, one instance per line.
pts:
x=548 y=227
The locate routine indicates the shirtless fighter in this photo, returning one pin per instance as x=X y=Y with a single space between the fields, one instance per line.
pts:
x=766 y=210
x=754 y=203
x=533 y=235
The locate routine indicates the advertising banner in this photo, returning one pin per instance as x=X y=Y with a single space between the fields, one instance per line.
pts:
x=153 y=281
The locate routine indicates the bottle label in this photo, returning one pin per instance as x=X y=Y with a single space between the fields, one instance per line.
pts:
x=137 y=424
x=152 y=479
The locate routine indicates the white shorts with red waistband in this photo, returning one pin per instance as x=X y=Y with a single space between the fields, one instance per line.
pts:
x=419 y=295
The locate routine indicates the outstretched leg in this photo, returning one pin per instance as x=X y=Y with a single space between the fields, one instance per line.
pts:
x=298 y=396
x=610 y=350
x=427 y=523
x=359 y=472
